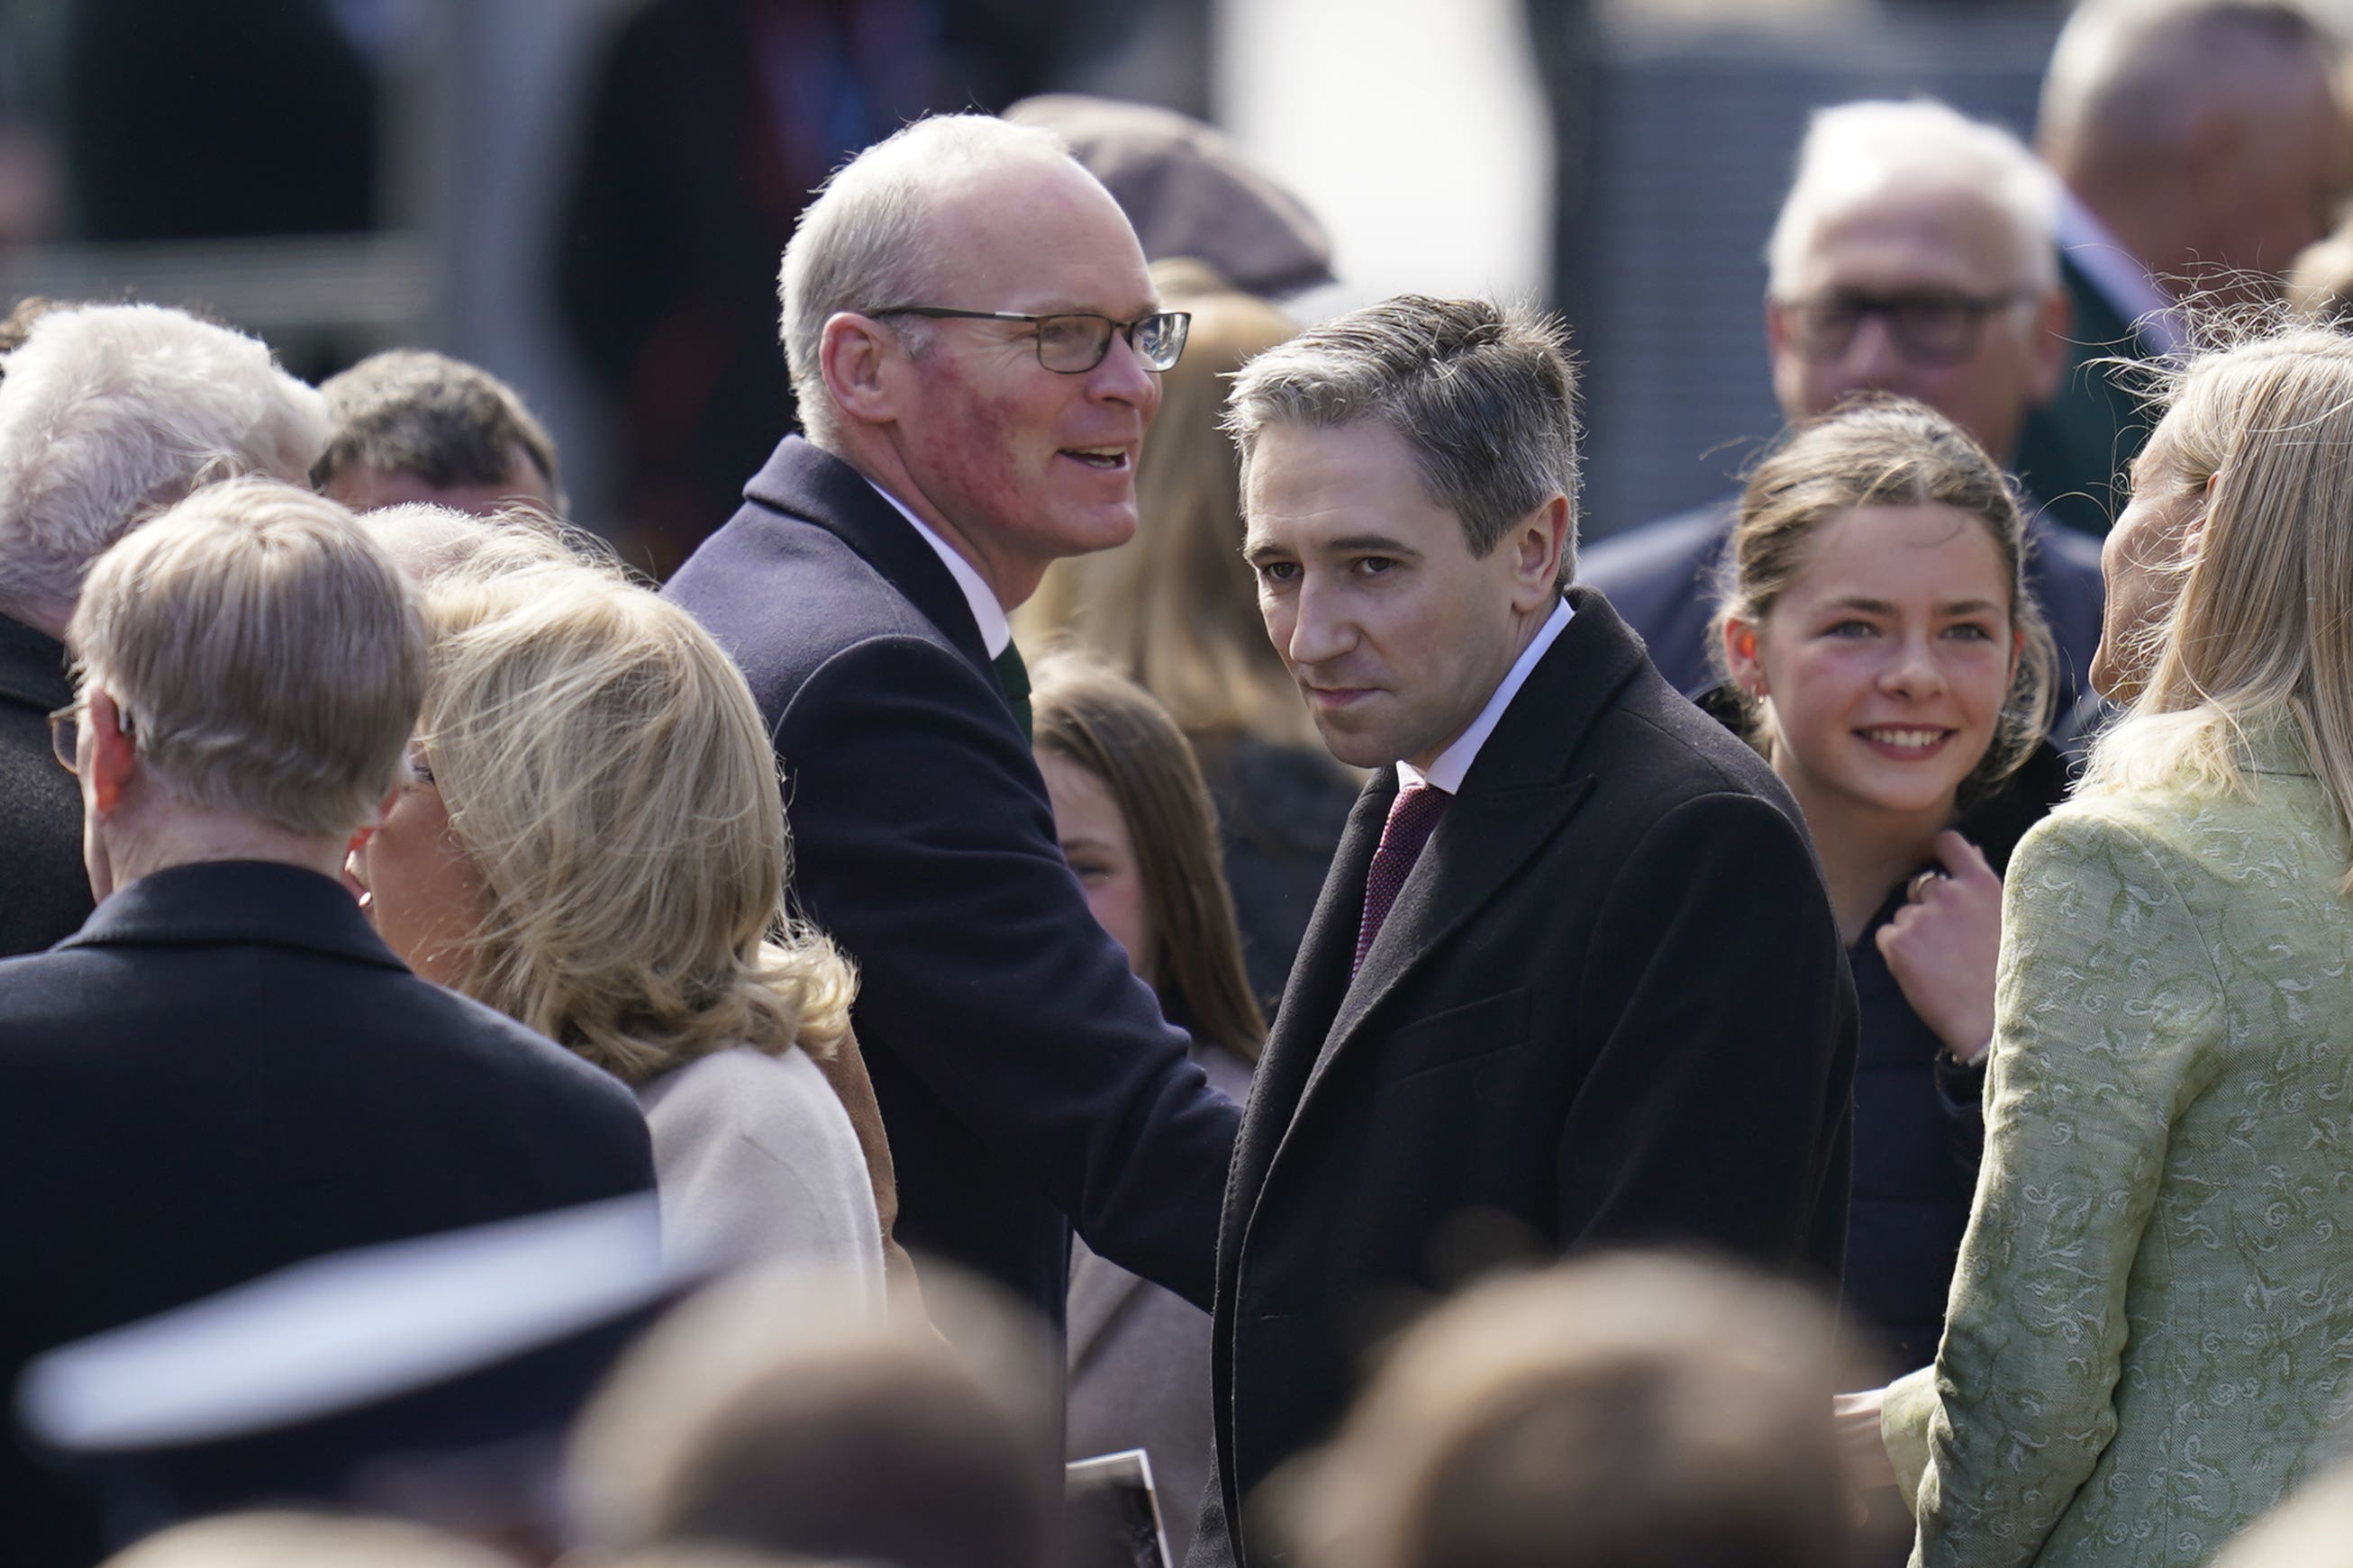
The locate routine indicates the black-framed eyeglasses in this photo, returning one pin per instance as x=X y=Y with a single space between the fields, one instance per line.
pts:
x=1930 y=326
x=1074 y=342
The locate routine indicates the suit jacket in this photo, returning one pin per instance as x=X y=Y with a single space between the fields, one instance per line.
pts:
x=1609 y=1006
x=1024 y=1073
x=2150 y=1332
x=2074 y=445
x=45 y=896
x=1662 y=578
x=224 y=1072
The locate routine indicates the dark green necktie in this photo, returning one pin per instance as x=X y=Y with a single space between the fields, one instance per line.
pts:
x=1014 y=676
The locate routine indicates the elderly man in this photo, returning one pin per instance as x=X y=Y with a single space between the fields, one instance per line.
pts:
x=1574 y=981
x=977 y=350
x=2200 y=145
x=224 y=1071
x=108 y=414
x=1912 y=255
x=415 y=425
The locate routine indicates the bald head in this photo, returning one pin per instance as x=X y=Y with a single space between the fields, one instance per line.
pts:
x=2206 y=134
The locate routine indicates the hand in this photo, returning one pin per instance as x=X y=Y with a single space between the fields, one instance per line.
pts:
x=1942 y=945
x=1854 y=1418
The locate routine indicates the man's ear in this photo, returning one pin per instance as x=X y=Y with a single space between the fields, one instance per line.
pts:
x=855 y=353
x=2054 y=317
x=113 y=755
x=1536 y=546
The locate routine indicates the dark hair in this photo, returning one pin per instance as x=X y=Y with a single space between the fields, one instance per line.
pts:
x=1098 y=719
x=1883 y=451
x=411 y=411
x=1482 y=394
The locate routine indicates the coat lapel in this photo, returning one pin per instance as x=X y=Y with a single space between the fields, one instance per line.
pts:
x=1524 y=787
x=813 y=485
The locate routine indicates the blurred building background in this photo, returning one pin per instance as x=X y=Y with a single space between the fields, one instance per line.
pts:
x=587 y=196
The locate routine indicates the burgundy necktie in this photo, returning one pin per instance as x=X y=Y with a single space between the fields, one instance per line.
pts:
x=1413 y=815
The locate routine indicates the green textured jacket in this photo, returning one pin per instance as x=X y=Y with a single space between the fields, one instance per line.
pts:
x=2150 y=1337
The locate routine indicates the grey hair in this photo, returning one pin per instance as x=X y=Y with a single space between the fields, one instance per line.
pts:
x=270 y=659
x=862 y=244
x=1485 y=396
x=1856 y=151
x=446 y=422
x=2129 y=78
x=111 y=412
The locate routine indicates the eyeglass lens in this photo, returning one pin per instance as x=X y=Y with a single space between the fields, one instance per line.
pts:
x=1930 y=329
x=1074 y=344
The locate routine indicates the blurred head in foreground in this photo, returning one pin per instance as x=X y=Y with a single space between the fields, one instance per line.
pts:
x=1629 y=1412
x=772 y=1411
x=288 y=1539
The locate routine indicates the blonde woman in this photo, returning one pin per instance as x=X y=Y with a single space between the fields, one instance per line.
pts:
x=591 y=840
x=2151 y=1332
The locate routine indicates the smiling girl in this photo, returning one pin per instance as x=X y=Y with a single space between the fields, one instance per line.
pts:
x=1885 y=655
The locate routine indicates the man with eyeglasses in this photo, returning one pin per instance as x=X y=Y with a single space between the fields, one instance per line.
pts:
x=1912 y=255
x=976 y=347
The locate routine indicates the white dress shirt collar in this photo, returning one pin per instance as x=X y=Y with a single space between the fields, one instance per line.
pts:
x=2117 y=274
x=995 y=631
x=1447 y=770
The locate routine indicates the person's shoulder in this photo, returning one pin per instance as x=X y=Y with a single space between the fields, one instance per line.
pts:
x=1662 y=748
x=777 y=1102
x=471 y=1039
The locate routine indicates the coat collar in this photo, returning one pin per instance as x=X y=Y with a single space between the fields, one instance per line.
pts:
x=821 y=488
x=1524 y=784
x=246 y=902
x=33 y=668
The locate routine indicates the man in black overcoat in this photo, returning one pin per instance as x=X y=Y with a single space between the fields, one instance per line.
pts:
x=225 y=1071
x=977 y=345
x=1574 y=981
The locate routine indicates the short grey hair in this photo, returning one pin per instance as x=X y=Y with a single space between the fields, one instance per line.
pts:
x=111 y=412
x=442 y=420
x=1854 y=152
x=269 y=659
x=1485 y=396
x=863 y=244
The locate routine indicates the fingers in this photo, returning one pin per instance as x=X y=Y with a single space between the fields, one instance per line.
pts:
x=1964 y=861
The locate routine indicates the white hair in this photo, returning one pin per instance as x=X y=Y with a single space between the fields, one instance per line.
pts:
x=1857 y=152
x=862 y=244
x=111 y=412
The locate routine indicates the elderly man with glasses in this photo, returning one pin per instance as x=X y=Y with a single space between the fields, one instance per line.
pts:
x=1914 y=254
x=976 y=347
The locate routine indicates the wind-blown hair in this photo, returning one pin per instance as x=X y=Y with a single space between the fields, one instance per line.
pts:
x=1855 y=152
x=1482 y=394
x=2262 y=626
x=1882 y=451
x=111 y=412
x=1100 y=721
x=605 y=767
x=268 y=657
x=863 y=244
